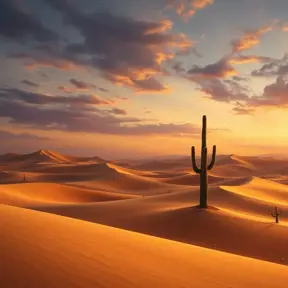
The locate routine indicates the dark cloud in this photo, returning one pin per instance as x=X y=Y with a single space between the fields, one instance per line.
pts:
x=117 y=111
x=81 y=84
x=220 y=69
x=18 y=25
x=34 y=111
x=128 y=52
x=273 y=68
x=240 y=78
x=223 y=91
x=30 y=83
x=274 y=95
x=37 y=98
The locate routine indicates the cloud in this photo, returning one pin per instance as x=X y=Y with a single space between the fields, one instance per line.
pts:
x=117 y=111
x=35 y=111
x=187 y=8
x=241 y=109
x=220 y=69
x=222 y=90
x=18 y=25
x=47 y=58
x=37 y=98
x=81 y=85
x=249 y=39
x=30 y=83
x=243 y=59
x=274 y=95
x=127 y=51
x=273 y=68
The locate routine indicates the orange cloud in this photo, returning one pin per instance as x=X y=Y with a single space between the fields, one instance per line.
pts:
x=200 y=4
x=163 y=26
x=249 y=39
x=241 y=59
x=187 y=8
x=59 y=64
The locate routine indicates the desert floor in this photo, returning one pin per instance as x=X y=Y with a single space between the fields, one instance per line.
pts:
x=134 y=223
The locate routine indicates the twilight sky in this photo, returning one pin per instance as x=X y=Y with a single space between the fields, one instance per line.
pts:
x=132 y=78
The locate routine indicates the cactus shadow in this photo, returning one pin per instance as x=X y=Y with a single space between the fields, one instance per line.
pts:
x=197 y=207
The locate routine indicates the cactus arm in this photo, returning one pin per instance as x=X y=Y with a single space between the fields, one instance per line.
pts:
x=210 y=166
x=273 y=215
x=194 y=165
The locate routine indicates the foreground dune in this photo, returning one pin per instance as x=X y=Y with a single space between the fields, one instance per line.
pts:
x=44 y=250
x=172 y=216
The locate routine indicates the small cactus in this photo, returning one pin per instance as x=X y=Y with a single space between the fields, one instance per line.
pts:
x=276 y=214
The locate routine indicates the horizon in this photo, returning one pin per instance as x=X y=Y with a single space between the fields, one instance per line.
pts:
x=148 y=158
x=133 y=80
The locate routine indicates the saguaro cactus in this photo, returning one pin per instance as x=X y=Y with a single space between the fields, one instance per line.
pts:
x=204 y=167
x=276 y=214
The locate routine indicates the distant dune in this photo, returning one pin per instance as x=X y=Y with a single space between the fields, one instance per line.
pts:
x=42 y=250
x=51 y=193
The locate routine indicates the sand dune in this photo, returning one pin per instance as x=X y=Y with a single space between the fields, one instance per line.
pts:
x=29 y=194
x=42 y=250
x=10 y=177
x=191 y=180
x=159 y=202
x=263 y=190
x=250 y=231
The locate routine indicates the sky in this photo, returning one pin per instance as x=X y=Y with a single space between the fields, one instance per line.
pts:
x=132 y=78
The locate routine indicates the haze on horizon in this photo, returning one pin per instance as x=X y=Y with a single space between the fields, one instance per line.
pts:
x=133 y=80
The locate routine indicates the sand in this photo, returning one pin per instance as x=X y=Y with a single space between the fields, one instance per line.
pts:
x=137 y=197
x=44 y=250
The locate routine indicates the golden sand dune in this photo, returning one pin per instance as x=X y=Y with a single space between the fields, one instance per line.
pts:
x=100 y=169
x=191 y=179
x=250 y=231
x=42 y=250
x=263 y=190
x=231 y=171
x=127 y=183
x=129 y=171
x=35 y=157
x=28 y=194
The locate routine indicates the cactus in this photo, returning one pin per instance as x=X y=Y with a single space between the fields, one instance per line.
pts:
x=24 y=178
x=204 y=167
x=276 y=214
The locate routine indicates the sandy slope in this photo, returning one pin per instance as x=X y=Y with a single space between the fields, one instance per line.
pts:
x=263 y=190
x=27 y=194
x=42 y=250
x=243 y=226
